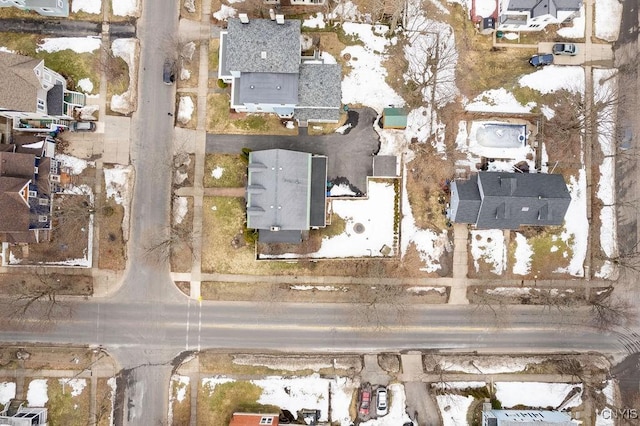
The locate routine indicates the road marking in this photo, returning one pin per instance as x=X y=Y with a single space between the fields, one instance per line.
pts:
x=199 y=322
x=186 y=348
x=98 y=325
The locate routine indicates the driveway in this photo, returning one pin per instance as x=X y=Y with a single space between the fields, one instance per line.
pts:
x=350 y=155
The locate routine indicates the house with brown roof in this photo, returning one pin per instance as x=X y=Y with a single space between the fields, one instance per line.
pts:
x=253 y=419
x=34 y=97
x=27 y=184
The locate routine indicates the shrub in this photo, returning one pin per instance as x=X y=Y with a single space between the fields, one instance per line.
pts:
x=222 y=84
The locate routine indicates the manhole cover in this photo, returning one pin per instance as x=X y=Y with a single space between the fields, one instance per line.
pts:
x=358 y=228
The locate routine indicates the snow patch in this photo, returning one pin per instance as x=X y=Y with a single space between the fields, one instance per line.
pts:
x=453 y=409
x=125 y=7
x=552 y=78
x=224 y=13
x=37 y=393
x=180 y=209
x=315 y=21
x=7 y=392
x=576 y=30
x=88 y=6
x=488 y=246
x=217 y=172
x=498 y=100
x=85 y=85
x=185 y=109
x=536 y=394
x=397 y=414
x=77 y=385
x=576 y=227
x=73 y=164
x=608 y=18
x=523 y=255
x=77 y=44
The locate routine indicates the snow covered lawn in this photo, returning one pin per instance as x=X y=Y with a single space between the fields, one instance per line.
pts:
x=608 y=16
x=487 y=246
x=118 y=182
x=536 y=394
x=77 y=44
x=125 y=7
x=186 y=107
x=7 y=392
x=87 y=6
x=453 y=409
x=127 y=49
x=179 y=405
x=37 y=393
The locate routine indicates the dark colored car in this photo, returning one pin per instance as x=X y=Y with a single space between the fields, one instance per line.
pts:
x=169 y=72
x=541 y=60
x=365 y=402
x=568 y=49
x=83 y=126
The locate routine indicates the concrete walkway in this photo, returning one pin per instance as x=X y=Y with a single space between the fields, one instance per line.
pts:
x=458 y=293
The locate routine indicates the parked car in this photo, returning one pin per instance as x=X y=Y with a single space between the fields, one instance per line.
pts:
x=541 y=60
x=365 y=401
x=83 y=126
x=169 y=72
x=569 y=49
x=381 y=402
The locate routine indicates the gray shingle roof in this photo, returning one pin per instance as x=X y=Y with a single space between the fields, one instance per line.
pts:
x=279 y=190
x=509 y=200
x=19 y=88
x=318 y=206
x=320 y=85
x=544 y=7
x=263 y=45
x=55 y=100
x=268 y=88
x=317 y=114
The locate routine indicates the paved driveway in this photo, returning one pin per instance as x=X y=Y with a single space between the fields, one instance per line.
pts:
x=350 y=155
x=599 y=54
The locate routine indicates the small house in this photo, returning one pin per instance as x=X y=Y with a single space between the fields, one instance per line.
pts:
x=492 y=417
x=394 y=118
x=254 y=419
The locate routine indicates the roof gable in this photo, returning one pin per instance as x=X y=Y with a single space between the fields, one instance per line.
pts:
x=20 y=84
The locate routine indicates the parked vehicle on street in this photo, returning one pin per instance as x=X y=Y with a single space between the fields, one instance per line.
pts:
x=169 y=72
x=568 y=49
x=541 y=60
x=83 y=126
x=381 y=402
x=365 y=401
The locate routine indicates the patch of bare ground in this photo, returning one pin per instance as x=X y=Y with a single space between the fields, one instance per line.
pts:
x=104 y=402
x=191 y=13
x=46 y=357
x=111 y=245
x=180 y=407
x=389 y=363
x=303 y=292
x=191 y=68
x=569 y=296
x=184 y=166
x=182 y=252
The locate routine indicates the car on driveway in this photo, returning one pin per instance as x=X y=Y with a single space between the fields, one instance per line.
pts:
x=381 y=402
x=365 y=401
x=83 y=126
x=541 y=60
x=568 y=49
x=169 y=72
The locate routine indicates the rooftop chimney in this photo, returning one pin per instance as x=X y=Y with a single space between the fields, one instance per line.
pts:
x=280 y=19
x=272 y=14
x=244 y=18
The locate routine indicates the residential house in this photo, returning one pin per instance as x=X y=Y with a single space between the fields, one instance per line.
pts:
x=534 y=15
x=23 y=416
x=43 y=7
x=495 y=200
x=253 y=419
x=261 y=59
x=492 y=417
x=286 y=194
x=33 y=96
x=27 y=184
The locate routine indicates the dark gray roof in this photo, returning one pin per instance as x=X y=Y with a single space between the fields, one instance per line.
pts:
x=263 y=45
x=268 y=88
x=317 y=114
x=318 y=208
x=320 y=85
x=55 y=98
x=385 y=165
x=223 y=68
x=286 y=237
x=465 y=200
x=279 y=190
x=544 y=7
x=509 y=200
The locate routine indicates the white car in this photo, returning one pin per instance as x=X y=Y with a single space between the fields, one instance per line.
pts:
x=381 y=402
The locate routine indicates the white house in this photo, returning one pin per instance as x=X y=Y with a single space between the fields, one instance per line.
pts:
x=534 y=15
x=43 y=7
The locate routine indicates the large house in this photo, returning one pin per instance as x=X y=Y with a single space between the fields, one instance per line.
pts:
x=43 y=7
x=27 y=184
x=23 y=416
x=493 y=200
x=534 y=15
x=286 y=194
x=33 y=96
x=261 y=59
x=492 y=417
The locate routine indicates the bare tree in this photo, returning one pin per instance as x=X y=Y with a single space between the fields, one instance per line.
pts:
x=36 y=298
x=495 y=306
x=430 y=63
x=608 y=312
x=165 y=242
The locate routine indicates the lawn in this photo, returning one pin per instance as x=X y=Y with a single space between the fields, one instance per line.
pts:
x=216 y=408
x=181 y=410
x=223 y=226
x=220 y=119
x=193 y=66
x=71 y=65
x=224 y=171
x=181 y=252
x=111 y=247
x=65 y=409
x=104 y=402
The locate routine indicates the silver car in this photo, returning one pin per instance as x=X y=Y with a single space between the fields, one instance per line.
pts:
x=382 y=402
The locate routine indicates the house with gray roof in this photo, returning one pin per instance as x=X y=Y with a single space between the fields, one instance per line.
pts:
x=34 y=97
x=286 y=194
x=535 y=15
x=43 y=7
x=491 y=417
x=496 y=200
x=261 y=59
